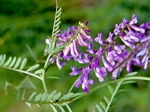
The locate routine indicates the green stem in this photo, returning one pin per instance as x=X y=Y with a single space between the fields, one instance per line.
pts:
x=22 y=71
x=43 y=82
x=73 y=85
x=47 y=60
x=114 y=81
x=124 y=79
x=113 y=95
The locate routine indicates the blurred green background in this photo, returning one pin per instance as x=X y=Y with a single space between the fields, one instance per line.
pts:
x=24 y=26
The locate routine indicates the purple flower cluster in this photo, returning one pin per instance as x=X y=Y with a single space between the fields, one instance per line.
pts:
x=115 y=56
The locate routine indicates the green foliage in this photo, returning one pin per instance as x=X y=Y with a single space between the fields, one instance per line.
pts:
x=53 y=99
x=18 y=65
x=106 y=105
x=52 y=46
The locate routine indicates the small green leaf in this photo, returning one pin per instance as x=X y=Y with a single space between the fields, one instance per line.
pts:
x=57 y=20
x=54 y=109
x=13 y=62
x=61 y=108
x=75 y=95
x=52 y=77
x=3 y=59
x=128 y=82
x=51 y=95
x=38 y=98
x=103 y=105
x=131 y=74
x=44 y=97
x=8 y=62
x=56 y=28
x=67 y=96
x=40 y=71
x=56 y=32
x=111 y=89
x=17 y=63
x=33 y=67
x=69 y=109
x=58 y=14
x=23 y=64
x=106 y=100
x=56 y=96
x=99 y=108
x=31 y=97
x=28 y=104
x=121 y=90
x=39 y=105
x=59 y=9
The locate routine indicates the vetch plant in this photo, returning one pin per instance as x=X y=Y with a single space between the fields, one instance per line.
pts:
x=126 y=45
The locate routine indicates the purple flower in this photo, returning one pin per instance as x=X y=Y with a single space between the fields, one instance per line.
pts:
x=131 y=36
x=133 y=20
x=147 y=25
x=84 y=80
x=129 y=63
x=99 y=39
x=60 y=64
x=129 y=44
x=106 y=64
x=142 y=30
x=114 y=56
x=90 y=49
x=115 y=73
x=75 y=71
x=110 y=55
x=143 y=53
x=100 y=72
x=84 y=34
x=110 y=37
x=124 y=23
x=119 y=48
x=48 y=41
x=117 y=29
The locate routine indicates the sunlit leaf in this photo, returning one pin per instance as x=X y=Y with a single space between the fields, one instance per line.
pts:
x=131 y=74
x=12 y=62
x=106 y=100
x=33 y=67
x=8 y=62
x=61 y=108
x=103 y=105
x=111 y=89
x=67 y=96
x=23 y=64
x=99 y=108
x=69 y=109
x=56 y=96
x=44 y=97
x=31 y=97
x=3 y=59
x=54 y=109
x=51 y=95
x=38 y=98
x=40 y=71
x=17 y=63
x=39 y=105
x=128 y=82
x=28 y=104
